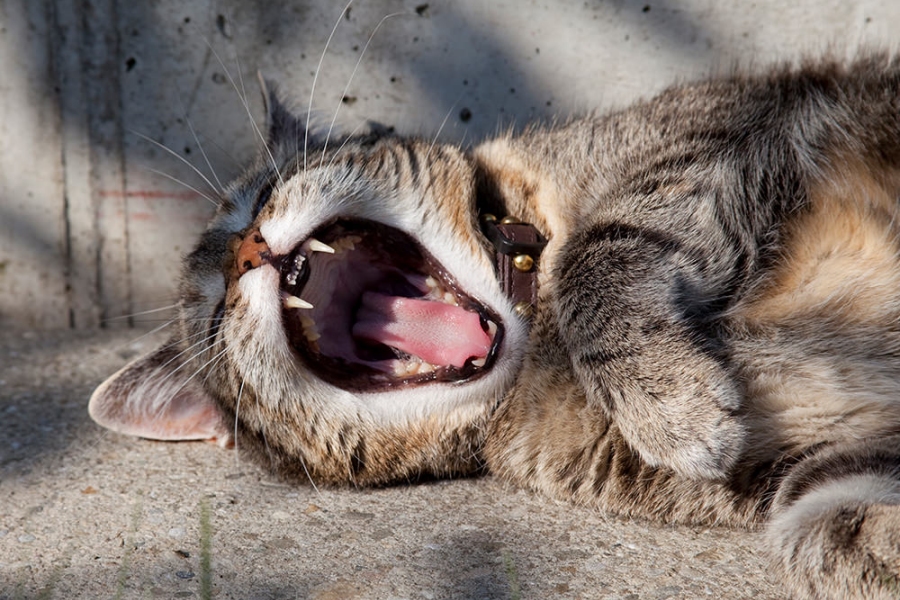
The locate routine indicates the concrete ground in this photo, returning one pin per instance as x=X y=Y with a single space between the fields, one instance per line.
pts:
x=90 y=231
x=89 y=514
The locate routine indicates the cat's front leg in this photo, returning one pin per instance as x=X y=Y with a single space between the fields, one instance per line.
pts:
x=835 y=527
x=636 y=309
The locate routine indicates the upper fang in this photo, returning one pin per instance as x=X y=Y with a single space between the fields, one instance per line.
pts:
x=296 y=302
x=317 y=246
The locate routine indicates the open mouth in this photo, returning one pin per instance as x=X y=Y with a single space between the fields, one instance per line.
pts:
x=366 y=307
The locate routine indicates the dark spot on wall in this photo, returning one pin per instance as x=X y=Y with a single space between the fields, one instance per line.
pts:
x=129 y=63
x=646 y=8
x=422 y=10
x=348 y=100
x=223 y=26
x=465 y=115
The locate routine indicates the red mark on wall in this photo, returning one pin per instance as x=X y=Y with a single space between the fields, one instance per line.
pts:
x=151 y=194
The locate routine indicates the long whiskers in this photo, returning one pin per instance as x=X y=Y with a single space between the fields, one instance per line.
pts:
x=185 y=184
x=216 y=190
x=243 y=98
x=190 y=125
x=350 y=79
x=140 y=313
x=441 y=128
x=312 y=91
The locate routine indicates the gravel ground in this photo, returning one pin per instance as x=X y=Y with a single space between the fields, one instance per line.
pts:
x=89 y=514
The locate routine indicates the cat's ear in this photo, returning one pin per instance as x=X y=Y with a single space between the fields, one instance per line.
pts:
x=157 y=397
x=283 y=127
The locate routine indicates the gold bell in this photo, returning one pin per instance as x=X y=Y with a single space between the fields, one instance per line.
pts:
x=509 y=220
x=523 y=262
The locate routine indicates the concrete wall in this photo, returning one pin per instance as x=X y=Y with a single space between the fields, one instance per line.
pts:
x=94 y=216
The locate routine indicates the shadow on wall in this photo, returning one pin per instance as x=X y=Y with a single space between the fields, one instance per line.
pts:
x=183 y=74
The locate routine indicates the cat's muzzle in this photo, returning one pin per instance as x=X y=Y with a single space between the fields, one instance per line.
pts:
x=366 y=307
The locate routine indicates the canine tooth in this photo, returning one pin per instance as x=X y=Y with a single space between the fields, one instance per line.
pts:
x=479 y=362
x=492 y=328
x=296 y=302
x=317 y=246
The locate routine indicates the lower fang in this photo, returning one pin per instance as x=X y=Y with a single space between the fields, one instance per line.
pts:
x=479 y=362
x=296 y=302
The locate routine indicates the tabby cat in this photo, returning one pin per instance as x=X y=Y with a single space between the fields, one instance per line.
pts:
x=715 y=337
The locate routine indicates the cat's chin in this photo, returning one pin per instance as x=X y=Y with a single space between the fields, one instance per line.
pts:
x=378 y=311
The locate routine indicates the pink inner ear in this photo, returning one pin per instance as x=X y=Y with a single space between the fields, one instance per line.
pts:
x=187 y=416
x=153 y=398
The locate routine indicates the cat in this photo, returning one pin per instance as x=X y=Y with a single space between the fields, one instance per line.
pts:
x=709 y=331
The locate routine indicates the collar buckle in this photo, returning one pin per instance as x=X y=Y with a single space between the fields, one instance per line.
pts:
x=518 y=248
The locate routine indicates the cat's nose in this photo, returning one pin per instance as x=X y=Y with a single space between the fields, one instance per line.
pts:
x=252 y=252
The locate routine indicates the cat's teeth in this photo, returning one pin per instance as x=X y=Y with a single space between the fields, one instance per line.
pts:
x=309 y=328
x=431 y=282
x=425 y=368
x=479 y=362
x=345 y=243
x=317 y=246
x=450 y=298
x=296 y=302
x=492 y=329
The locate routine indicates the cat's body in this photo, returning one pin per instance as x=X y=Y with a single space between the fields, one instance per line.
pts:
x=716 y=338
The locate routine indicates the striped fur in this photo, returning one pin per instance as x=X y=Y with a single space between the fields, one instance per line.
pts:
x=718 y=333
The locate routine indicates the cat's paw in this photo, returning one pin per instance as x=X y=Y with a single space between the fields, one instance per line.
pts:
x=676 y=411
x=690 y=434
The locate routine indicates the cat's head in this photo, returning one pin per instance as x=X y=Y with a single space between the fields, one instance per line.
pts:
x=341 y=314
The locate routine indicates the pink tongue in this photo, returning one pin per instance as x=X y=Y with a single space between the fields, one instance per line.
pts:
x=438 y=333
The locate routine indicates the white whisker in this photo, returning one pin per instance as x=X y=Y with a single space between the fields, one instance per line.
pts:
x=185 y=184
x=237 y=412
x=344 y=143
x=212 y=171
x=441 y=128
x=143 y=312
x=350 y=79
x=182 y=159
x=312 y=91
x=198 y=370
x=246 y=105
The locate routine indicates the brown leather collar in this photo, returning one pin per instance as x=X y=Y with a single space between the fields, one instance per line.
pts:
x=518 y=248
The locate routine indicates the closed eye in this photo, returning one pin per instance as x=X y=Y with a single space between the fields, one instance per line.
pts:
x=217 y=317
x=263 y=197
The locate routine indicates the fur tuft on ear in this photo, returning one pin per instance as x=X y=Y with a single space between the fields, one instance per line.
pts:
x=283 y=127
x=155 y=397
